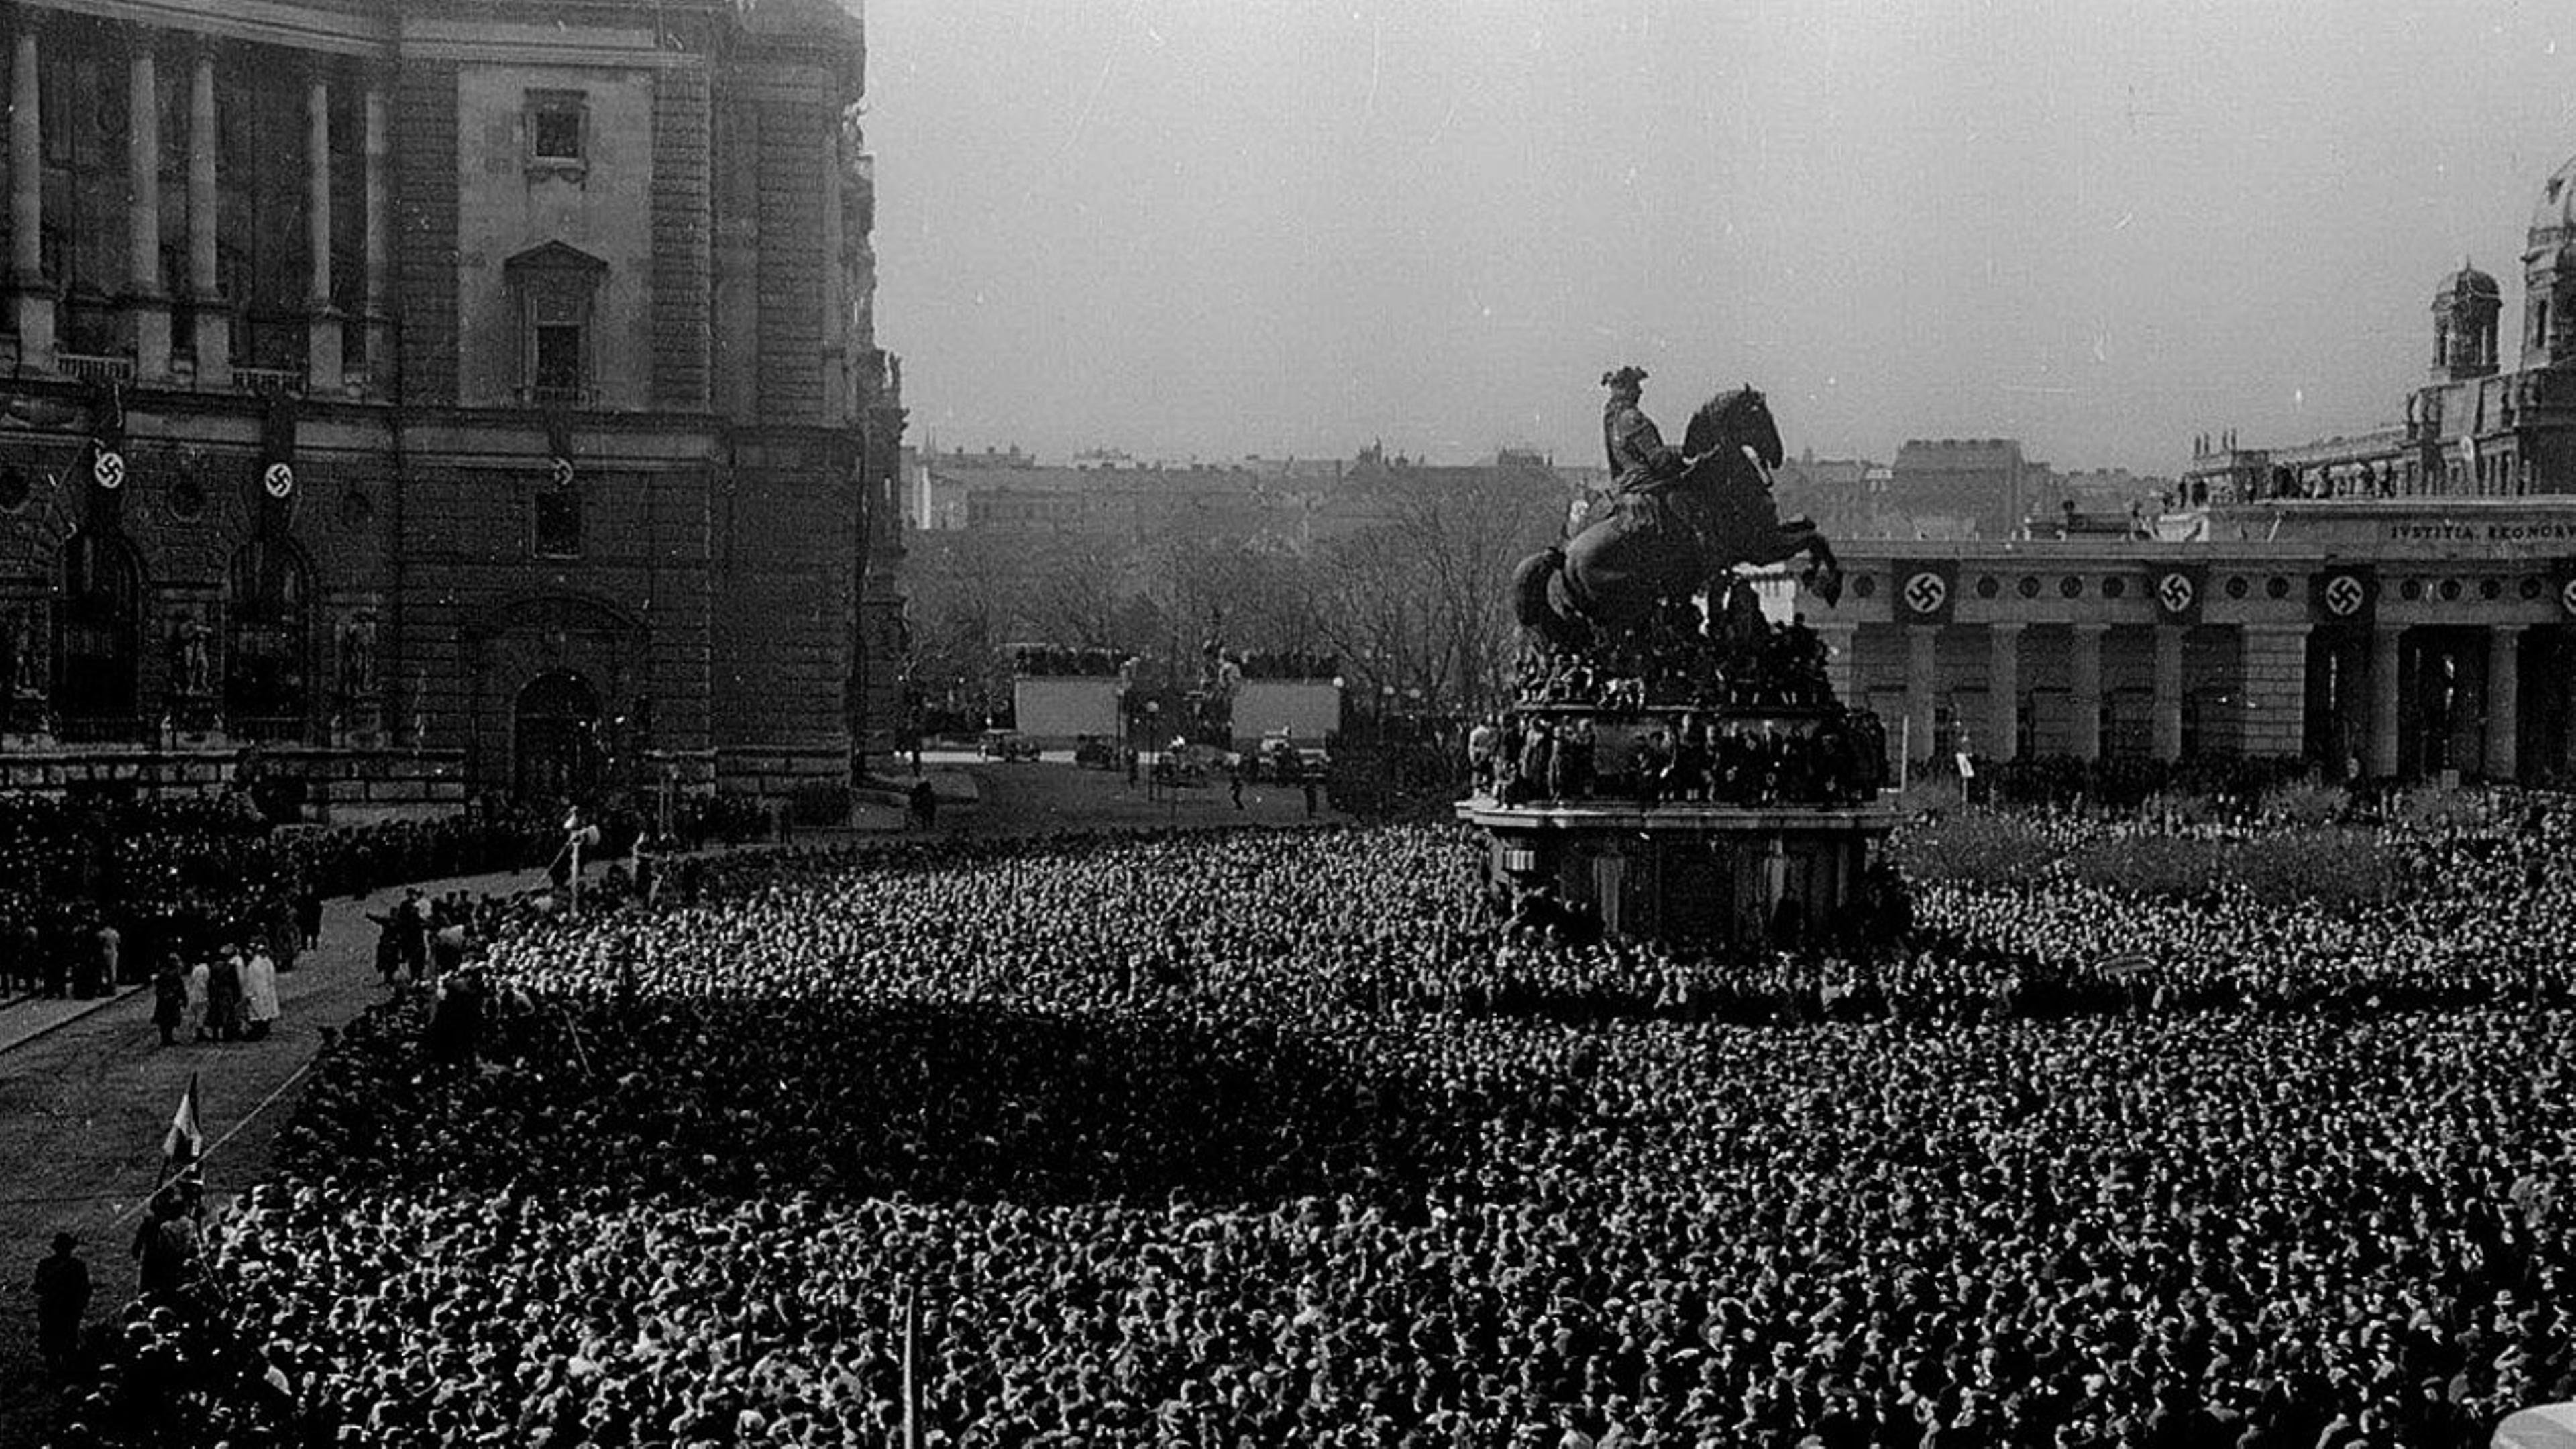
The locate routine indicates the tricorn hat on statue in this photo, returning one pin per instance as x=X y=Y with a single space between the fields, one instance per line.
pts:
x=1626 y=376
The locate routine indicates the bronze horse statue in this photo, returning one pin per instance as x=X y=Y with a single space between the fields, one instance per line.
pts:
x=1669 y=538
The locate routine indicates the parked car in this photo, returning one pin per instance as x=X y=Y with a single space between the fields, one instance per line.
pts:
x=1006 y=745
x=1097 y=752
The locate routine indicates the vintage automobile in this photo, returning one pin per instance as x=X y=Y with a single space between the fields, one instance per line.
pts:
x=1006 y=745
x=1097 y=752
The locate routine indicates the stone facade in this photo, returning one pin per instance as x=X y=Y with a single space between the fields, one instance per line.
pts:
x=499 y=392
x=2378 y=638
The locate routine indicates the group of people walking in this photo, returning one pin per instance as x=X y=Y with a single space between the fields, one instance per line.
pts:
x=231 y=996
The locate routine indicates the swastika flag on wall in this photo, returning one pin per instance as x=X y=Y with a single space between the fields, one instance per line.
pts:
x=1925 y=591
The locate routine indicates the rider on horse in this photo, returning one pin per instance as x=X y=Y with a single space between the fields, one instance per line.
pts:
x=1676 y=518
x=1640 y=459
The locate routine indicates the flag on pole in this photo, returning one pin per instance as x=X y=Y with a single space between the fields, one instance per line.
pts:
x=911 y=1366
x=186 y=1140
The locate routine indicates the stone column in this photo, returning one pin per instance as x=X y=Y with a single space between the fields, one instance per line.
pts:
x=2273 y=683
x=322 y=363
x=208 y=310
x=380 y=360
x=148 y=302
x=2168 y=695
x=2382 y=759
x=1842 y=663
x=34 y=297
x=2084 y=692
x=2003 y=691
x=2504 y=702
x=1922 y=646
x=838 y=406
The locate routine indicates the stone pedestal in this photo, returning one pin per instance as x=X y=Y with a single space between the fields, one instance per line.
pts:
x=1713 y=876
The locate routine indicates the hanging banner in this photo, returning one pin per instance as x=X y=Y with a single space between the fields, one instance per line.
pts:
x=1926 y=590
x=2179 y=590
x=2343 y=594
x=278 y=483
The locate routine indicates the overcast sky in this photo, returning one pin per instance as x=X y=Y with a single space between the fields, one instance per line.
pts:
x=1218 y=227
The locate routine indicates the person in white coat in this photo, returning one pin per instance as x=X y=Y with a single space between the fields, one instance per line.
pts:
x=200 y=977
x=259 y=994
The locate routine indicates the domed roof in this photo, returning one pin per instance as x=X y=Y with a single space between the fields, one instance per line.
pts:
x=2554 y=218
x=2467 y=282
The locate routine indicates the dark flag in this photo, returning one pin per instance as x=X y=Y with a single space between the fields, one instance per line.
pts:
x=107 y=464
x=278 y=483
x=559 y=468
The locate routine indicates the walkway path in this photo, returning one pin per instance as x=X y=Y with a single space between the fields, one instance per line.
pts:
x=87 y=1091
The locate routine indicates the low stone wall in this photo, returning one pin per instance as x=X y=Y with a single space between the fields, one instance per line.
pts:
x=341 y=786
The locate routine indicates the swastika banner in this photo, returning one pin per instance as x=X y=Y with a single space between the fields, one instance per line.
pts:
x=2343 y=593
x=2178 y=591
x=1924 y=591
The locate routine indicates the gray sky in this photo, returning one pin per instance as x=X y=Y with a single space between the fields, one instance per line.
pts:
x=1219 y=227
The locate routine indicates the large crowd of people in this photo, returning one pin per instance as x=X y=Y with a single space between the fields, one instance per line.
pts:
x=96 y=895
x=1291 y=1138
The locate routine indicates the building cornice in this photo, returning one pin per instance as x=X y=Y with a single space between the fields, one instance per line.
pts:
x=261 y=22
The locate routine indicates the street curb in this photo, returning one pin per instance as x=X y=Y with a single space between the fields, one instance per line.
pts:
x=91 y=1008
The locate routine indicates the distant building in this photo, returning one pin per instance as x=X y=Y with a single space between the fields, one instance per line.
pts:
x=2395 y=603
x=1985 y=483
x=1292 y=504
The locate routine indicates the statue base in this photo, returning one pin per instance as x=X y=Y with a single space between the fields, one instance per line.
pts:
x=1708 y=876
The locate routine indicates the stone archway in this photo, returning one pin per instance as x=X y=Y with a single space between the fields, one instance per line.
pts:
x=513 y=645
x=554 y=739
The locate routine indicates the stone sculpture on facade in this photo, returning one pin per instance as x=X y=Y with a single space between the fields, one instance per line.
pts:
x=192 y=671
x=358 y=658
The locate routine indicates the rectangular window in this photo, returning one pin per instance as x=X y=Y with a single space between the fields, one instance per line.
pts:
x=557 y=532
x=558 y=359
x=558 y=362
x=556 y=121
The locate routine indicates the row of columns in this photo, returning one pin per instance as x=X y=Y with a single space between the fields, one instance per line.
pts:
x=2001 y=728
x=34 y=296
x=2001 y=732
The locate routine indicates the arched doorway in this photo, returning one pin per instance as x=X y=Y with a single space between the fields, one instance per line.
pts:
x=98 y=628
x=267 y=605
x=555 y=743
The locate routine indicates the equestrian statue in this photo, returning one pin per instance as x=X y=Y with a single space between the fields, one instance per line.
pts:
x=1674 y=520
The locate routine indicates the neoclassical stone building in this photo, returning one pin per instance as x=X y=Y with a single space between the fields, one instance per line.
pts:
x=2399 y=603
x=434 y=396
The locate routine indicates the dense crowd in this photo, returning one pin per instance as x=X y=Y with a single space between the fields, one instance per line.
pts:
x=1289 y=1138
x=1828 y=757
x=1735 y=659
x=96 y=894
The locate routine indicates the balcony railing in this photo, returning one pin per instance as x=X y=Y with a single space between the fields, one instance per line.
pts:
x=290 y=729
x=269 y=379
x=91 y=367
x=559 y=397
x=102 y=729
